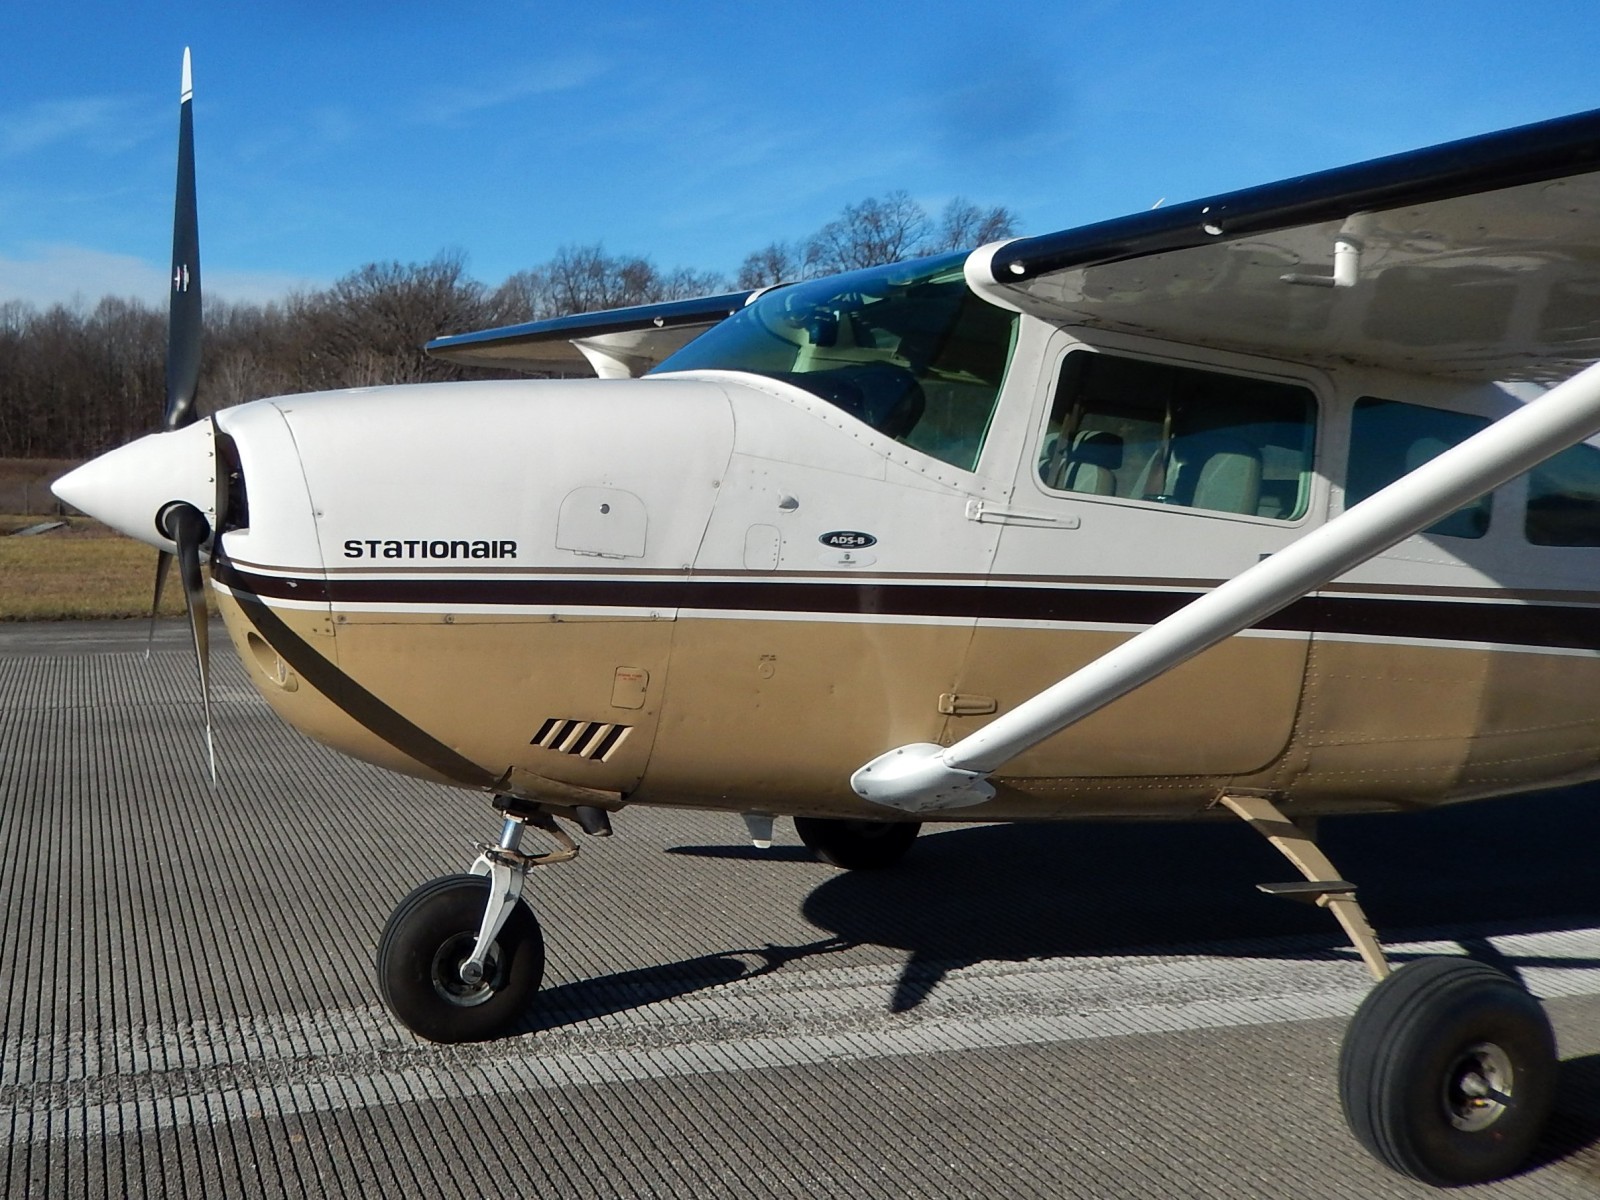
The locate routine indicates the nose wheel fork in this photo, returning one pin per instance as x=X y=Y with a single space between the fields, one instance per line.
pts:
x=506 y=867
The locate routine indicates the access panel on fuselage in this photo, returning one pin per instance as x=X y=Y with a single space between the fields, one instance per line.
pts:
x=829 y=611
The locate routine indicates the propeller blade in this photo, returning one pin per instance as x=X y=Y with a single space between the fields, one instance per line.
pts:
x=163 y=562
x=185 y=523
x=187 y=527
x=183 y=315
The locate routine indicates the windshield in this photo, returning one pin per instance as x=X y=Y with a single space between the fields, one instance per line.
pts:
x=908 y=348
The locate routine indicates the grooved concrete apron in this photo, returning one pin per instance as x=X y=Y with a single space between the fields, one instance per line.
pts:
x=1017 y=1011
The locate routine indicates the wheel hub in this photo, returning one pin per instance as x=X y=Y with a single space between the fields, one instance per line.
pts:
x=450 y=980
x=1478 y=1087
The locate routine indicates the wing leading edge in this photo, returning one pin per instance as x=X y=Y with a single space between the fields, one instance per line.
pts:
x=613 y=343
x=1477 y=259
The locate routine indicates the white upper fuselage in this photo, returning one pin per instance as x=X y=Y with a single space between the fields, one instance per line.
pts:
x=702 y=467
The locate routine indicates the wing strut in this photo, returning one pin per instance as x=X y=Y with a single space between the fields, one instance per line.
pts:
x=921 y=777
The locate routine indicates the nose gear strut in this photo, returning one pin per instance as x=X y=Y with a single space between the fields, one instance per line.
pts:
x=507 y=866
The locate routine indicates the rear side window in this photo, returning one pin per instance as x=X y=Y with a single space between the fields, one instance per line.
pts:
x=1389 y=439
x=1564 y=499
x=1205 y=439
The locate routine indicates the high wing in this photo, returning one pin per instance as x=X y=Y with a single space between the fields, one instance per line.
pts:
x=614 y=343
x=1477 y=259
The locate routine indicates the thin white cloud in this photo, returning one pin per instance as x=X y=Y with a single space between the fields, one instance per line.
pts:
x=77 y=275
x=97 y=120
x=334 y=124
x=447 y=105
x=81 y=276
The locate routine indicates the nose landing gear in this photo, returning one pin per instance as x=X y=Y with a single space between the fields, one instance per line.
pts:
x=462 y=956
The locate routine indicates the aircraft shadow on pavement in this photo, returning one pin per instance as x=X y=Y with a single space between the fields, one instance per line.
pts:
x=1017 y=892
x=966 y=895
x=970 y=894
x=624 y=991
x=1574 y=1125
x=744 y=852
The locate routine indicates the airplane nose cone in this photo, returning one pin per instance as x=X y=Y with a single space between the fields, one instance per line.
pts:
x=127 y=488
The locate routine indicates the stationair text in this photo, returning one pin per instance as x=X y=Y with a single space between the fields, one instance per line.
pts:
x=422 y=548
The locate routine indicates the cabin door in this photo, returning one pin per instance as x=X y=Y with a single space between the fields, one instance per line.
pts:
x=1147 y=483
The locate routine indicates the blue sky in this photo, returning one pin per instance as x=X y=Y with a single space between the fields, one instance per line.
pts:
x=334 y=134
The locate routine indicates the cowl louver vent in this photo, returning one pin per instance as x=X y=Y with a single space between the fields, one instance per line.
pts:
x=594 y=740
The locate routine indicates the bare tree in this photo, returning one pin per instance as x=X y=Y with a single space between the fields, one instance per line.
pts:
x=875 y=231
x=963 y=225
x=776 y=262
x=685 y=283
x=587 y=279
x=522 y=297
x=371 y=325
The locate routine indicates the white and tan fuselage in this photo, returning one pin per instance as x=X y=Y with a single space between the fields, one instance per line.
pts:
x=717 y=590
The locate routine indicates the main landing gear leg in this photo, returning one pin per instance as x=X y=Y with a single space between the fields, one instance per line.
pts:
x=1448 y=1069
x=463 y=956
x=1323 y=887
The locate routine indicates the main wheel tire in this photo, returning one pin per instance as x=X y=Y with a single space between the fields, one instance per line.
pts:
x=857 y=845
x=429 y=935
x=1448 y=1071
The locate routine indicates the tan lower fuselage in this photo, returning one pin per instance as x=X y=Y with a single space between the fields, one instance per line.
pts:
x=772 y=713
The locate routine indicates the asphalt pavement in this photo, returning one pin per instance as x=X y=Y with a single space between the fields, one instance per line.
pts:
x=1033 y=1010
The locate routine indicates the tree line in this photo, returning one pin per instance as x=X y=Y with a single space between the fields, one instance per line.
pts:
x=76 y=381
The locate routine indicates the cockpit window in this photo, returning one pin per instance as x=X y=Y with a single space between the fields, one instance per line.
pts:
x=909 y=349
x=1180 y=435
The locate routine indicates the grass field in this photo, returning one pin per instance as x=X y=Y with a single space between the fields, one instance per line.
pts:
x=80 y=572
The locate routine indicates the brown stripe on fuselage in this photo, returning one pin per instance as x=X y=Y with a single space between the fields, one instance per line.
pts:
x=1512 y=622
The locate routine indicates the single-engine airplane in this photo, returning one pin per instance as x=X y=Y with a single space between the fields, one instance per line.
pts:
x=1279 y=504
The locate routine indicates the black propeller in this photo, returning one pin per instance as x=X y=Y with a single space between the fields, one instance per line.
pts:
x=186 y=525
x=183 y=523
x=183 y=313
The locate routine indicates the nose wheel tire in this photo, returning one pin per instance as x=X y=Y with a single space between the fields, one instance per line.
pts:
x=857 y=845
x=1448 y=1072
x=429 y=936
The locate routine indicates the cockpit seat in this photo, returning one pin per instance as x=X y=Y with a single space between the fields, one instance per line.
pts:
x=1092 y=464
x=1225 y=473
